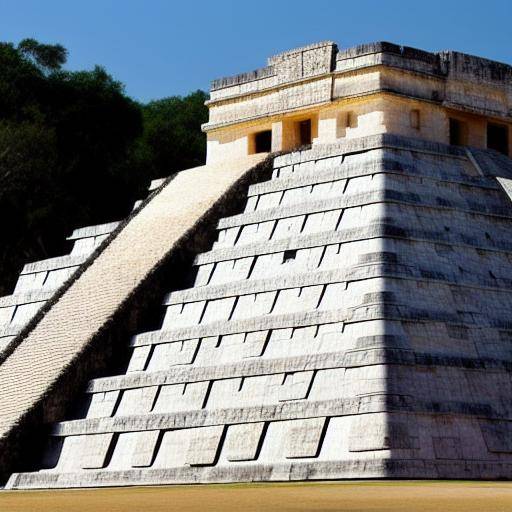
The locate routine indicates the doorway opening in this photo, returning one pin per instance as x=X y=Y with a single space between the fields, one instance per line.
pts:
x=305 y=132
x=497 y=137
x=263 y=141
x=458 y=132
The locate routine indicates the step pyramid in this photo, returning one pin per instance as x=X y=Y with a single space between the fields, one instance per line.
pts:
x=329 y=297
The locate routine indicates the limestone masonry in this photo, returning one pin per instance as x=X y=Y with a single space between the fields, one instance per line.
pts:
x=329 y=297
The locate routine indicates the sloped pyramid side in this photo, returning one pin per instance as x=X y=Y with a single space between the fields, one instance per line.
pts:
x=38 y=377
x=353 y=322
x=38 y=281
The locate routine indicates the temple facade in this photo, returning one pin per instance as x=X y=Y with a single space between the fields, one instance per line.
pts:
x=321 y=95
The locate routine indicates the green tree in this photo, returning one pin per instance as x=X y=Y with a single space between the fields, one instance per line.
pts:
x=29 y=170
x=61 y=136
x=48 y=57
x=172 y=139
x=75 y=150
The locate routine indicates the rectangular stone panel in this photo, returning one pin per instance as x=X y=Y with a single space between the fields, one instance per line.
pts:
x=144 y=450
x=166 y=355
x=6 y=314
x=242 y=441
x=137 y=401
x=139 y=359
x=254 y=344
x=498 y=436
x=24 y=312
x=447 y=447
x=57 y=277
x=103 y=404
x=204 y=445
x=295 y=386
x=218 y=310
x=303 y=438
x=204 y=273
x=95 y=448
x=184 y=352
x=30 y=282
x=380 y=432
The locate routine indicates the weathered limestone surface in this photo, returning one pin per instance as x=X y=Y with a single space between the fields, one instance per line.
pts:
x=352 y=322
x=351 y=93
x=69 y=328
x=39 y=280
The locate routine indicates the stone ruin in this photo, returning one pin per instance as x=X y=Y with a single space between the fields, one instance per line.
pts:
x=329 y=297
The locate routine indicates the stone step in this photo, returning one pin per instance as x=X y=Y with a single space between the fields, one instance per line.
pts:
x=385 y=165
x=367 y=144
x=292 y=470
x=378 y=310
x=95 y=230
x=250 y=367
x=292 y=243
x=55 y=263
x=245 y=287
x=256 y=366
x=356 y=200
x=261 y=323
x=355 y=273
x=373 y=230
x=293 y=409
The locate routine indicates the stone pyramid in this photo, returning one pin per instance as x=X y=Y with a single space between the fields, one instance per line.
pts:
x=349 y=313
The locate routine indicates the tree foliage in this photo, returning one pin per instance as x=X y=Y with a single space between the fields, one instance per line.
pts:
x=48 y=57
x=172 y=133
x=75 y=150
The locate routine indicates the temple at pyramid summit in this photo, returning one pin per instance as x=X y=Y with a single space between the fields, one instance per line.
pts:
x=328 y=297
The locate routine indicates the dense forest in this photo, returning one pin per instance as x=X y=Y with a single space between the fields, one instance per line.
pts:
x=75 y=150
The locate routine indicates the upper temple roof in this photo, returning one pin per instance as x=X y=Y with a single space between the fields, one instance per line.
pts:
x=325 y=57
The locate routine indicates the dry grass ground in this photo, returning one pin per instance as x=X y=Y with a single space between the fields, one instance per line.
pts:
x=321 y=497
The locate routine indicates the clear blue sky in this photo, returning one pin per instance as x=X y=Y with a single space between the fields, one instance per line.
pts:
x=158 y=48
